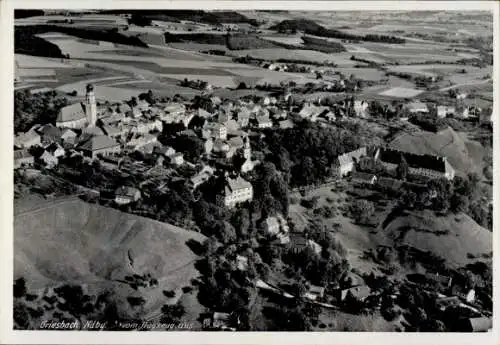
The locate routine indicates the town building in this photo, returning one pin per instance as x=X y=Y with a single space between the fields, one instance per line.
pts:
x=476 y=324
x=344 y=164
x=235 y=191
x=68 y=136
x=99 y=145
x=264 y=121
x=48 y=160
x=22 y=158
x=418 y=165
x=271 y=225
x=242 y=262
x=216 y=130
x=357 y=293
x=286 y=124
x=443 y=111
x=28 y=139
x=315 y=292
x=126 y=195
x=201 y=177
x=242 y=117
x=361 y=108
x=56 y=150
x=49 y=134
x=81 y=114
x=364 y=178
x=417 y=107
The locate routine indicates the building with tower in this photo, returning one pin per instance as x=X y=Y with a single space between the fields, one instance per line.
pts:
x=79 y=115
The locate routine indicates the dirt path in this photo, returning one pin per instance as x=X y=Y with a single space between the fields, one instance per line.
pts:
x=477 y=82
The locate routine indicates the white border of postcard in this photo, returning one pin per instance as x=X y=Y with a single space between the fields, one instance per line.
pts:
x=8 y=336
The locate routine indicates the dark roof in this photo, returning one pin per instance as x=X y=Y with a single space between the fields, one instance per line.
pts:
x=436 y=163
x=390 y=183
x=51 y=131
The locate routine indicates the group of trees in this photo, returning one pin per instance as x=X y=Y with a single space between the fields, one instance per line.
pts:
x=194 y=84
x=307 y=159
x=27 y=43
x=31 y=109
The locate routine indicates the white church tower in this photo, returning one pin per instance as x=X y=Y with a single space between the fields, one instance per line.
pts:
x=247 y=150
x=90 y=106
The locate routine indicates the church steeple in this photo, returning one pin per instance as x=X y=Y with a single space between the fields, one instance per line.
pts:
x=90 y=106
x=247 y=150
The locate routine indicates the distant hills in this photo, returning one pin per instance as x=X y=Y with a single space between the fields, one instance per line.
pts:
x=312 y=28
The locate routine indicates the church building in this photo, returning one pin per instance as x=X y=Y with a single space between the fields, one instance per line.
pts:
x=79 y=115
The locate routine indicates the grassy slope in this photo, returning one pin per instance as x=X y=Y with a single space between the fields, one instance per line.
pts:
x=445 y=143
x=86 y=244
x=464 y=235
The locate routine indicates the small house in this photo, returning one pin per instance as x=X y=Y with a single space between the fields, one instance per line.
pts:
x=242 y=262
x=177 y=158
x=126 y=195
x=48 y=159
x=315 y=292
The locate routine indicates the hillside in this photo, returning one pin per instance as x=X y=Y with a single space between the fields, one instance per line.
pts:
x=70 y=241
x=451 y=237
x=445 y=143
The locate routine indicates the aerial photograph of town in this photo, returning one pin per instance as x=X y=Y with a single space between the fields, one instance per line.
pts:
x=264 y=170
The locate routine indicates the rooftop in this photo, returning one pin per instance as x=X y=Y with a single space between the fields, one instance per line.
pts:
x=98 y=143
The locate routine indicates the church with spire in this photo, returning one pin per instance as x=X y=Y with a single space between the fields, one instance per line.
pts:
x=79 y=115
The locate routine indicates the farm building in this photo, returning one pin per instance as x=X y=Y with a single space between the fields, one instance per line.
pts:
x=418 y=165
x=125 y=195
x=235 y=191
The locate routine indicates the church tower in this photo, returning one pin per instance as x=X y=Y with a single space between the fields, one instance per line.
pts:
x=247 y=150
x=90 y=106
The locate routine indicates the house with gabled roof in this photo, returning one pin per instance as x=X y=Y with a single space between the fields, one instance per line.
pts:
x=99 y=145
x=48 y=159
x=363 y=178
x=125 y=195
x=234 y=191
x=344 y=163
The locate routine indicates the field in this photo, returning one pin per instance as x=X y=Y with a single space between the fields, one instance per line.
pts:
x=400 y=92
x=95 y=246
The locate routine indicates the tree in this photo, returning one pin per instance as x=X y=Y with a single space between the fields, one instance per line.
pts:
x=402 y=169
x=362 y=210
x=172 y=313
x=19 y=288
